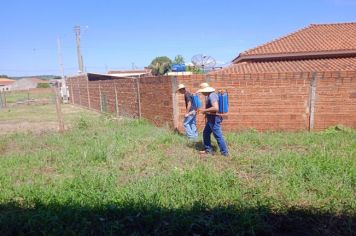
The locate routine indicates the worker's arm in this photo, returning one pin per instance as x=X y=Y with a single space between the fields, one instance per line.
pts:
x=214 y=108
x=188 y=109
x=189 y=106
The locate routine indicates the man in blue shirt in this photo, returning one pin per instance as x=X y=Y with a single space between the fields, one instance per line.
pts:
x=213 y=120
x=190 y=115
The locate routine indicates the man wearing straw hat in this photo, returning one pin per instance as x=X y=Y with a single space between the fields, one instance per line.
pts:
x=213 y=120
x=189 y=122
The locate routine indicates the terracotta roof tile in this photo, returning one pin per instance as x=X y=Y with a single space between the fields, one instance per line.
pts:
x=313 y=65
x=314 y=38
x=6 y=81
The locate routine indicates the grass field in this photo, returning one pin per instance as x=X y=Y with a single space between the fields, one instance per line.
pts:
x=32 y=95
x=106 y=176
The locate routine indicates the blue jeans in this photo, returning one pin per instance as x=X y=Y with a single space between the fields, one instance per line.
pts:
x=190 y=127
x=213 y=125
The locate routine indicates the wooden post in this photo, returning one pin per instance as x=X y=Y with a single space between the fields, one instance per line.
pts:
x=101 y=103
x=5 y=102
x=116 y=101
x=28 y=97
x=138 y=96
x=80 y=96
x=88 y=93
x=59 y=111
x=71 y=91
x=2 y=105
x=175 y=103
x=312 y=98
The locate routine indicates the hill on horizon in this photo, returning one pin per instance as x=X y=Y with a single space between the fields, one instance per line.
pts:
x=43 y=77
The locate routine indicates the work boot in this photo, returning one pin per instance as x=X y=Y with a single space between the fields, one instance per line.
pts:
x=205 y=152
x=225 y=154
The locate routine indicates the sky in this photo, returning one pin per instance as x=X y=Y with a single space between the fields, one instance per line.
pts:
x=122 y=34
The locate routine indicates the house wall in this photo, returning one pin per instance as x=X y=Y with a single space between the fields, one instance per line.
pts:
x=5 y=87
x=265 y=101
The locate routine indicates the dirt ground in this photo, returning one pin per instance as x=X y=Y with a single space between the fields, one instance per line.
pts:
x=25 y=126
x=38 y=118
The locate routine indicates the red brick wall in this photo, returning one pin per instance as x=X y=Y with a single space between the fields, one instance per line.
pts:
x=155 y=96
x=94 y=95
x=336 y=100
x=74 y=84
x=260 y=101
x=156 y=100
x=127 y=97
x=126 y=92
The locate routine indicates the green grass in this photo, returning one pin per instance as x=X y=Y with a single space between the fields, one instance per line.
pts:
x=24 y=96
x=42 y=113
x=108 y=176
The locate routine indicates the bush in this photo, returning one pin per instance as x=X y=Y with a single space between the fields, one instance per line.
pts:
x=43 y=85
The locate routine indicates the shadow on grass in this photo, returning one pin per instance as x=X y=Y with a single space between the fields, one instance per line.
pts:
x=142 y=219
x=199 y=146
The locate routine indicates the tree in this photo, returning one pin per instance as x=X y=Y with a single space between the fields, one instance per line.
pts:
x=194 y=69
x=160 y=65
x=179 y=59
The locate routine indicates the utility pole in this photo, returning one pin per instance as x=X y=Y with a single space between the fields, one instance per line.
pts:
x=60 y=57
x=63 y=89
x=79 y=54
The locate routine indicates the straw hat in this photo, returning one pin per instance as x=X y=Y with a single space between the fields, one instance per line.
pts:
x=205 y=88
x=180 y=86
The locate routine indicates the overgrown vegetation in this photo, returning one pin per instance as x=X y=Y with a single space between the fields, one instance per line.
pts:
x=26 y=95
x=108 y=176
x=160 y=65
x=43 y=85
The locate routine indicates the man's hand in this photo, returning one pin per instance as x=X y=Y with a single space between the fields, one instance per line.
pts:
x=202 y=110
x=186 y=115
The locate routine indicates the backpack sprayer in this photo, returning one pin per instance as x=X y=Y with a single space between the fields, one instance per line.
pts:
x=223 y=103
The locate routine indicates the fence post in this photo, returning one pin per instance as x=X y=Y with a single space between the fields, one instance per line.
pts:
x=80 y=96
x=88 y=93
x=138 y=96
x=1 y=100
x=311 y=102
x=175 y=103
x=71 y=91
x=59 y=111
x=5 y=102
x=101 y=103
x=116 y=101
x=28 y=96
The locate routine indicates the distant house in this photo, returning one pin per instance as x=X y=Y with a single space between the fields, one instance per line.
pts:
x=5 y=84
x=316 y=48
x=130 y=73
x=27 y=83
